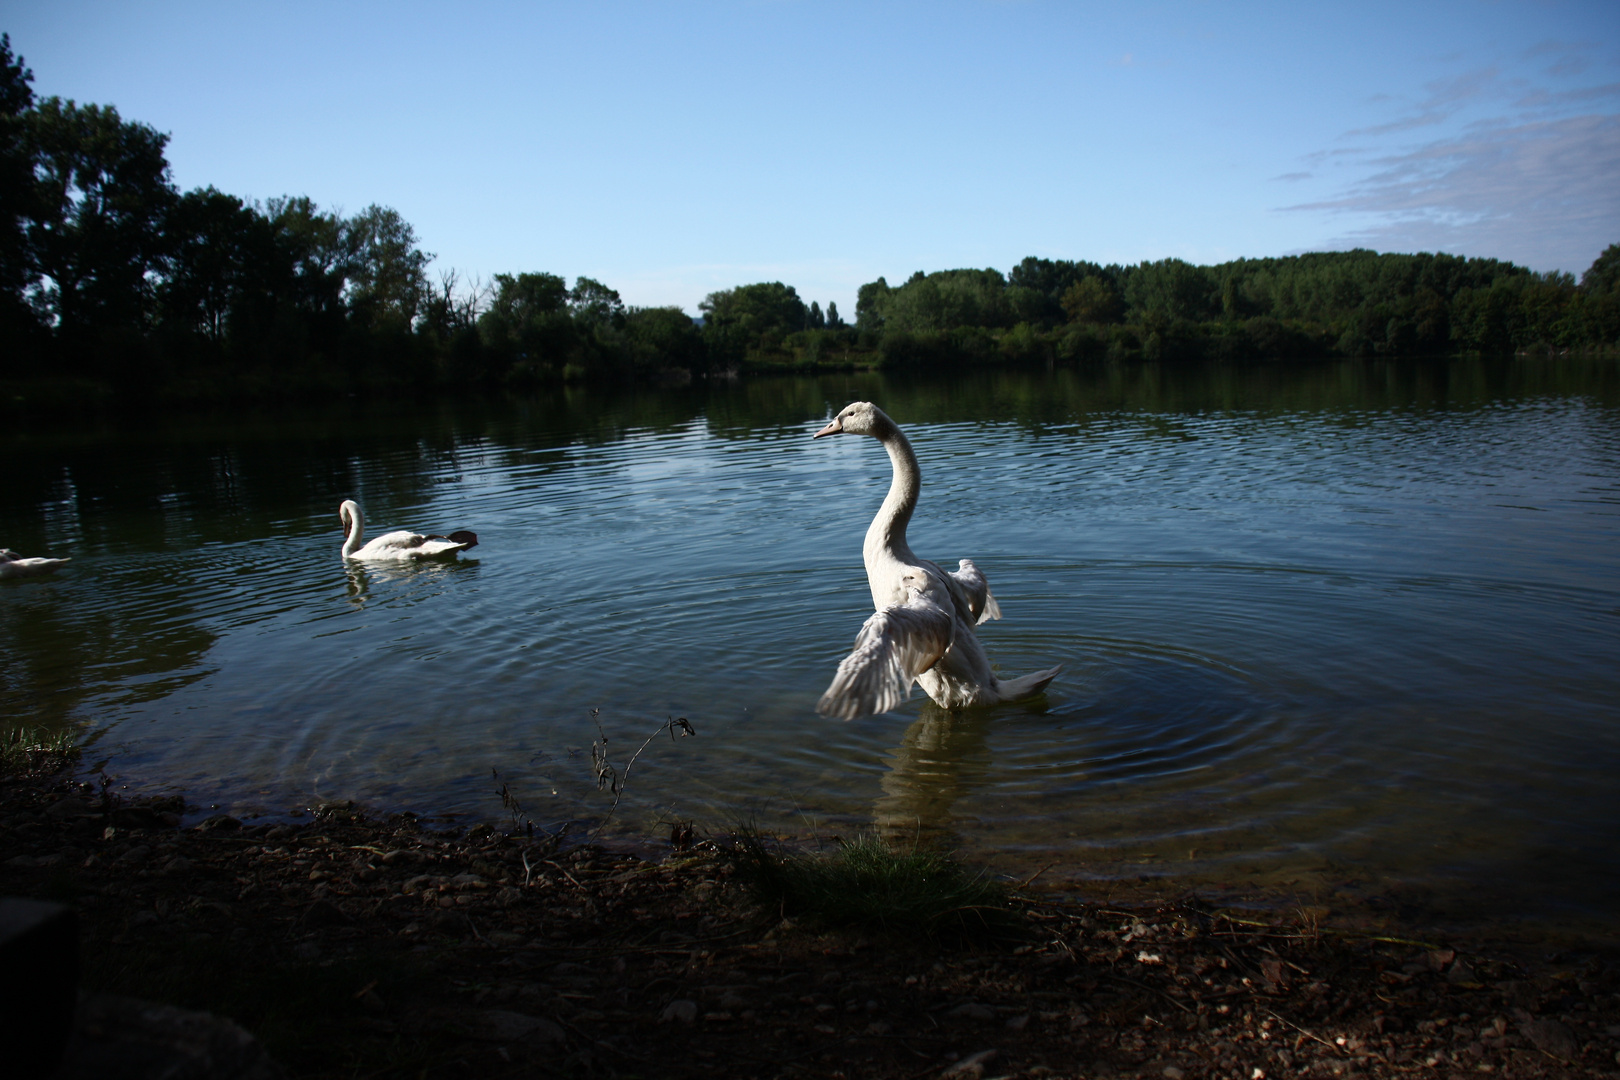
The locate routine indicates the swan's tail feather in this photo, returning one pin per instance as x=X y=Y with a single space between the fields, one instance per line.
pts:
x=1026 y=685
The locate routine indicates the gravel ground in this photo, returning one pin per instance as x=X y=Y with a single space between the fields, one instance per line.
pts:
x=353 y=947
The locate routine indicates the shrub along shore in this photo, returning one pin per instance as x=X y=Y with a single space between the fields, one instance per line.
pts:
x=353 y=946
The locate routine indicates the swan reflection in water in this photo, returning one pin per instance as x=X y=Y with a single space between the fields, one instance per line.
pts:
x=943 y=758
x=361 y=577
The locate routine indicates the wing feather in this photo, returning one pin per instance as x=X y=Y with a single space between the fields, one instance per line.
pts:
x=894 y=646
x=977 y=587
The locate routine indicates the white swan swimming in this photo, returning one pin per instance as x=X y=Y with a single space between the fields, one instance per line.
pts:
x=14 y=565
x=396 y=545
x=923 y=629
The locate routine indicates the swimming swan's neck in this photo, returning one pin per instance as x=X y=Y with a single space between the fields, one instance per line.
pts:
x=357 y=528
x=887 y=533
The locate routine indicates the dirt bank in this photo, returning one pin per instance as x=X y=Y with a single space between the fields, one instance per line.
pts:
x=352 y=947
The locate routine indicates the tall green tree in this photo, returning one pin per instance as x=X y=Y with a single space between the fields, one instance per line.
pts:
x=220 y=253
x=750 y=317
x=870 y=300
x=17 y=195
x=316 y=250
x=103 y=196
x=387 y=272
x=594 y=305
x=1603 y=276
x=1171 y=288
x=1092 y=300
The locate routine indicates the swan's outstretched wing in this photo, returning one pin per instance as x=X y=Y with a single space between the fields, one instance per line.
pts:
x=977 y=588
x=894 y=646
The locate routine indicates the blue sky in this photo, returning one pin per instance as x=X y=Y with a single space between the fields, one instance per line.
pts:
x=671 y=149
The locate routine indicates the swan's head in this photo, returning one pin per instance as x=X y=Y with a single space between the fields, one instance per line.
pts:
x=858 y=418
x=347 y=513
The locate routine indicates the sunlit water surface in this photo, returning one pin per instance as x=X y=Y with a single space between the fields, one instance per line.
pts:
x=1344 y=631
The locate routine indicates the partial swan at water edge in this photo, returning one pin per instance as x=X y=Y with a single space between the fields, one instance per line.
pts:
x=396 y=545
x=923 y=629
x=14 y=565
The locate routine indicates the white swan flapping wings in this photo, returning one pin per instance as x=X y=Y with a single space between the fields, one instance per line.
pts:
x=13 y=565
x=396 y=546
x=923 y=629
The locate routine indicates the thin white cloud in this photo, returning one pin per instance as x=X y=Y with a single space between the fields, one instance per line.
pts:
x=1446 y=97
x=1541 y=193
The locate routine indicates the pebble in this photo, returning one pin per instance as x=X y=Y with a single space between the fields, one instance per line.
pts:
x=972 y=1010
x=1173 y=1073
x=1552 y=1037
x=71 y=808
x=222 y=823
x=500 y=1025
x=972 y=1066
x=680 y=1011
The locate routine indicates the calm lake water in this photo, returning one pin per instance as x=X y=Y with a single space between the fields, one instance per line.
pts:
x=1346 y=631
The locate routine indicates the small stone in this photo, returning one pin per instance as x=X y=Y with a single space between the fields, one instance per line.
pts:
x=1018 y=1023
x=972 y=1010
x=1460 y=973
x=70 y=807
x=971 y=1067
x=138 y=853
x=499 y=1025
x=306 y=951
x=679 y=1011
x=1173 y=1073
x=324 y=913
x=878 y=1027
x=1552 y=1037
x=732 y=1001
x=220 y=823
x=22 y=862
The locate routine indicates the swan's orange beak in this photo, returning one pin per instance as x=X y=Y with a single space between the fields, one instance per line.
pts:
x=831 y=429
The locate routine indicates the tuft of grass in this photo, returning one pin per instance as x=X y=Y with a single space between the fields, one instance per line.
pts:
x=27 y=751
x=867 y=885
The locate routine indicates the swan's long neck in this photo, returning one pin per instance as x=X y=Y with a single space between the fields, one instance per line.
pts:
x=357 y=527
x=887 y=533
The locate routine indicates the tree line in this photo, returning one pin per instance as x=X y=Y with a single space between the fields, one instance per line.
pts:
x=114 y=281
x=1325 y=304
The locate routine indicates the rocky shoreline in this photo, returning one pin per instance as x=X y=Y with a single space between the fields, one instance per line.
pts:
x=355 y=947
